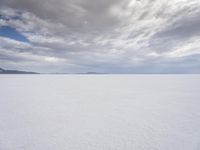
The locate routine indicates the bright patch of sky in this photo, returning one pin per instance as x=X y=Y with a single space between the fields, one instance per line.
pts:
x=9 y=32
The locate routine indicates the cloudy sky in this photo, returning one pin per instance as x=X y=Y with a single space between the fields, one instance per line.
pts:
x=107 y=36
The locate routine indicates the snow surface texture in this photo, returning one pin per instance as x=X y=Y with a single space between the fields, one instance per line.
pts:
x=99 y=112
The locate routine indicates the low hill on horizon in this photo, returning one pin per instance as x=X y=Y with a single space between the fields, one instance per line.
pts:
x=4 y=71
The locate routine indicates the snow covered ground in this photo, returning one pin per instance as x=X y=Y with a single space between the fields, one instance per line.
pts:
x=99 y=112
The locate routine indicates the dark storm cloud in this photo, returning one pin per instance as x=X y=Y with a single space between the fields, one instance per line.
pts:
x=119 y=36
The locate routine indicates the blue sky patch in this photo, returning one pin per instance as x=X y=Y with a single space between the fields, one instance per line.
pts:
x=12 y=33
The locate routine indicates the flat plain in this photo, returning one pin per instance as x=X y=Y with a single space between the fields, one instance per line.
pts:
x=99 y=112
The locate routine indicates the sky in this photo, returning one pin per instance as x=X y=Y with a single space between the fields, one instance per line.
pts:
x=105 y=36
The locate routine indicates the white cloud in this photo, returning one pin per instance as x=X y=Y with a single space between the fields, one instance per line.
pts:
x=123 y=33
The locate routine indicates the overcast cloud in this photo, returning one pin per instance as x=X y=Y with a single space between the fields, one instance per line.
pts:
x=107 y=36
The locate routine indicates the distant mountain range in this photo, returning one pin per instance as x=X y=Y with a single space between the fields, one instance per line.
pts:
x=3 y=71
